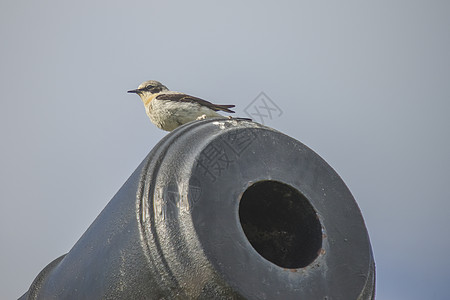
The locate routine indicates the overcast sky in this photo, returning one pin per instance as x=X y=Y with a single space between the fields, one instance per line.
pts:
x=365 y=84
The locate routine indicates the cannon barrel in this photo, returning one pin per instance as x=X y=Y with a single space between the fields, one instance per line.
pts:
x=221 y=209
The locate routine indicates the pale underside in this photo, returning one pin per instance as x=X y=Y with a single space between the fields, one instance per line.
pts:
x=168 y=115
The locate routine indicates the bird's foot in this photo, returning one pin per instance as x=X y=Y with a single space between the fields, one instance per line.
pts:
x=202 y=117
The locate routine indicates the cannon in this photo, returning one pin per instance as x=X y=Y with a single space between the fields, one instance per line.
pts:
x=221 y=209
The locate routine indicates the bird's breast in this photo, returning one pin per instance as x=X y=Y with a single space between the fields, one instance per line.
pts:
x=149 y=99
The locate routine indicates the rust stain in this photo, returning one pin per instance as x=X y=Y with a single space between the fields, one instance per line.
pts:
x=291 y=270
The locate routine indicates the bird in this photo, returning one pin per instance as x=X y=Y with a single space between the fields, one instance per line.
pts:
x=169 y=109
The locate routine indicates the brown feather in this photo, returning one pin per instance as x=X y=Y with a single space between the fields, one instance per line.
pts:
x=191 y=99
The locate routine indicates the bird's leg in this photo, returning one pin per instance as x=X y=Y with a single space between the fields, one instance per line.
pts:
x=202 y=117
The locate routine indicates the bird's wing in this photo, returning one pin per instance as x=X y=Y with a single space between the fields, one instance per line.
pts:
x=187 y=98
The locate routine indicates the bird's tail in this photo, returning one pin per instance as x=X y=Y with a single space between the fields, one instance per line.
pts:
x=225 y=107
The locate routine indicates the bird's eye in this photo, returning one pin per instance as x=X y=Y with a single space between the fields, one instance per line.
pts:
x=149 y=87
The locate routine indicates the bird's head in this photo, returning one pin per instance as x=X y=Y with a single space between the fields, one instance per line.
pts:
x=148 y=88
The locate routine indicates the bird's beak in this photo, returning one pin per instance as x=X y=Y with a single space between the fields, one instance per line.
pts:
x=137 y=91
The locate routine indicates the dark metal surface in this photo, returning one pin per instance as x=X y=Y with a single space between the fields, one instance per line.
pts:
x=176 y=229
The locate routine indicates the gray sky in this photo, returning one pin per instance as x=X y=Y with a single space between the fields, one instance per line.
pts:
x=366 y=84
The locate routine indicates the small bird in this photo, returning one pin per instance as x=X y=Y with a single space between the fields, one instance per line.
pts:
x=169 y=109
